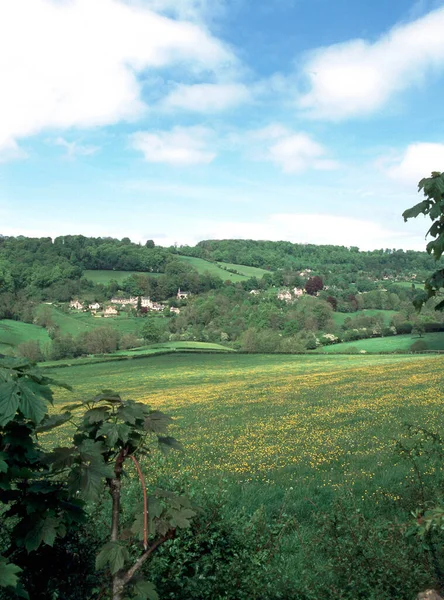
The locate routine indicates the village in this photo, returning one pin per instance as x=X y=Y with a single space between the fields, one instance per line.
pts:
x=117 y=304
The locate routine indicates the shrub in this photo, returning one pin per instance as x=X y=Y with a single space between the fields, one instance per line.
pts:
x=30 y=350
x=418 y=346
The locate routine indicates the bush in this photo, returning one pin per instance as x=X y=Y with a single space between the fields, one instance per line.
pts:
x=30 y=350
x=418 y=346
x=229 y=557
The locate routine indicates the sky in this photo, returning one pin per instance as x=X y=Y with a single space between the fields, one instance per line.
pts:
x=310 y=121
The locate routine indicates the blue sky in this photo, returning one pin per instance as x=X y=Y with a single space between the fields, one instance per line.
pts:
x=181 y=120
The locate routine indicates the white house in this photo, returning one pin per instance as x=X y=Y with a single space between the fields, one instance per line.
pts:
x=94 y=306
x=124 y=301
x=182 y=295
x=298 y=292
x=175 y=310
x=110 y=311
x=76 y=304
x=285 y=295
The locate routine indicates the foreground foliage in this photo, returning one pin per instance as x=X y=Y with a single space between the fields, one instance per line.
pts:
x=44 y=493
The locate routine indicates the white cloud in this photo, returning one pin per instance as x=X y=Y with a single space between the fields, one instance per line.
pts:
x=207 y=97
x=301 y=228
x=75 y=64
x=359 y=77
x=311 y=228
x=417 y=161
x=182 y=146
x=10 y=150
x=293 y=152
x=74 y=149
x=191 y=10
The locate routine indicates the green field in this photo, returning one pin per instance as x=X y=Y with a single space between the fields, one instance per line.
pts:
x=76 y=322
x=295 y=434
x=203 y=266
x=13 y=333
x=434 y=341
x=104 y=277
x=279 y=419
x=339 y=318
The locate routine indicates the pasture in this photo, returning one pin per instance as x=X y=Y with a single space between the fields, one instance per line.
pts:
x=395 y=343
x=104 y=277
x=311 y=423
x=216 y=269
x=289 y=435
x=13 y=333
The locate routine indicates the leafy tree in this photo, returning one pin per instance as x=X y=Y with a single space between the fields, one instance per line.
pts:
x=314 y=285
x=433 y=207
x=43 y=493
x=150 y=332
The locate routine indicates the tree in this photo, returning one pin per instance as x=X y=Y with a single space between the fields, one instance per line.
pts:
x=314 y=285
x=433 y=207
x=150 y=332
x=44 y=492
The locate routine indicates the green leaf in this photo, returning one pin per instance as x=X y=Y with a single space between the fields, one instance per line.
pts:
x=9 y=401
x=97 y=414
x=145 y=590
x=73 y=406
x=32 y=404
x=90 y=479
x=53 y=421
x=110 y=432
x=91 y=450
x=131 y=411
x=421 y=207
x=157 y=422
x=8 y=573
x=181 y=518
x=108 y=396
x=166 y=443
x=44 y=532
x=3 y=463
x=113 y=554
x=62 y=457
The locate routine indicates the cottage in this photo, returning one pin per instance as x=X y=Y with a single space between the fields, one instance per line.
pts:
x=124 y=301
x=76 y=305
x=298 y=292
x=175 y=310
x=285 y=295
x=110 y=311
x=254 y=292
x=182 y=295
x=156 y=306
x=94 y=306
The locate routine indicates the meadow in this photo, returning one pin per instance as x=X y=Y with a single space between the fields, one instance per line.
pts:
x=218 y=269
x=201 y=266
x=311 y=423
x=395 y=343
x=13 y=333
x=105 y=276
x=296 y=437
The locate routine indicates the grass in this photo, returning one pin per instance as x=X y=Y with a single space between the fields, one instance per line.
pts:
x=268 y=429
x=339 y=318
x=280 y=420
x=76 y=322
x=13 y=333
x=434 y=341
x=203 y=266
x=104 y=277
